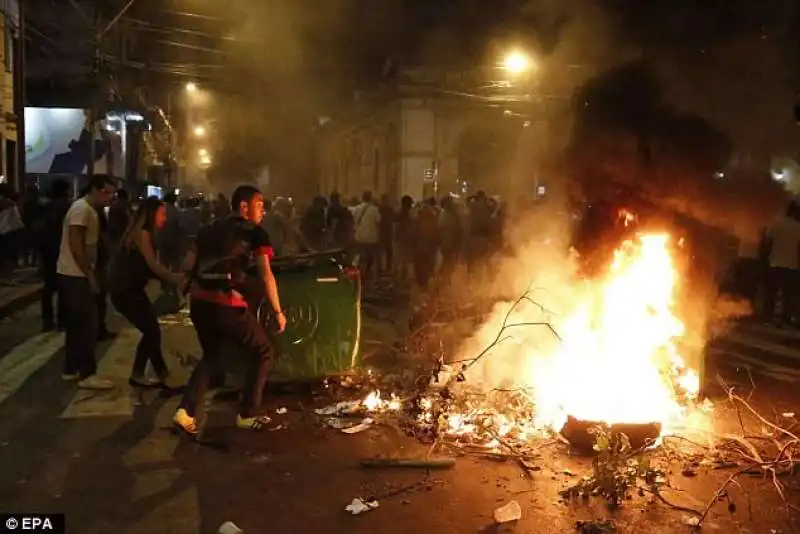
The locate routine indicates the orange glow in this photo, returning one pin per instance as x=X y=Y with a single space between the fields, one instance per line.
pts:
x=619 y=362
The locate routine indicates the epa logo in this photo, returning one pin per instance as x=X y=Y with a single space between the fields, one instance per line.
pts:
x=29 y=523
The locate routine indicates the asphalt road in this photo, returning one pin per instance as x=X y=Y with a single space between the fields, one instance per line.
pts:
x=110 y=462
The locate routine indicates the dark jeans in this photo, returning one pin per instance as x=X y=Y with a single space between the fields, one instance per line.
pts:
x=425 y=262
x=386 y=263
x=80 y=312
x=50 y=318
x=10 y=250
x=217 y=326
x=101 y=298
x=134 y=305
x=370 y=260
x=787 y=282
x=450 y=258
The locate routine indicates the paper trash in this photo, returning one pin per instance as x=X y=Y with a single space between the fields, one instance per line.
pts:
x=229 y=527
x=362 y=426
x=690 y=520
x=340 y=408
x=359 y=506
x=510 y=512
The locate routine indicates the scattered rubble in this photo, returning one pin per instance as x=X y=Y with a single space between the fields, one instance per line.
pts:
x=508 y=513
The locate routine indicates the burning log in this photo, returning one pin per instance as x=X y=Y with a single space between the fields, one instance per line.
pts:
x=577 y=432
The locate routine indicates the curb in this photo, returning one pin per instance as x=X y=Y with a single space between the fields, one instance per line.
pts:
x=22 y=301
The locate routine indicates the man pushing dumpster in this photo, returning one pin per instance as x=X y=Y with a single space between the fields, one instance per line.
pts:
x=228 y=250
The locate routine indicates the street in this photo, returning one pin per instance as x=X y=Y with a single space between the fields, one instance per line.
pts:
x=111 y=462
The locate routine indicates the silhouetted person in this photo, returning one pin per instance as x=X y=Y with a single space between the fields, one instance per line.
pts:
x=783 y=245
x=54 y=213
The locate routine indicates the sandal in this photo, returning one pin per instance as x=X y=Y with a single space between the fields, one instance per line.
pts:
x=258 y=422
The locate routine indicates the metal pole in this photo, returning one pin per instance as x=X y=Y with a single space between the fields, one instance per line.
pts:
x=19 y=100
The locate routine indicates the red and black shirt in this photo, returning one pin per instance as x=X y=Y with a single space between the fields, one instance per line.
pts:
x=227 y=253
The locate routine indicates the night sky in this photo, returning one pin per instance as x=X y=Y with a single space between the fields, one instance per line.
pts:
x=288 y=62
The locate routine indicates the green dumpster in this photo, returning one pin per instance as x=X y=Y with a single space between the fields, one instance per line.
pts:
x=321 y=296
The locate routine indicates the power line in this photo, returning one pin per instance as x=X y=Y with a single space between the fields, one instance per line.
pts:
x=149 y=27
x=189 y=14
x=190 y=47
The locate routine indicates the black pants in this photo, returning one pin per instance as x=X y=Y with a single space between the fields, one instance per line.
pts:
x=80 y=312
x=134 y=305
x=50 y=318
x=787 y=281
x=217 y=326
x=101 y=299
x=425 y=262
x=386 y=263
x=450 y=258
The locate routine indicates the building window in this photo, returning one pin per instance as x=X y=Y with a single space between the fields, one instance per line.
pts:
x=8 y=47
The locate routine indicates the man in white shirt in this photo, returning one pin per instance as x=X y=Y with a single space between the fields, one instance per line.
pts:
x=783 y=246
x=367 y=217
x=78 y=282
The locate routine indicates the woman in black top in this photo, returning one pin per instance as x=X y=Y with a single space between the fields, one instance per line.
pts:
x=134 y=265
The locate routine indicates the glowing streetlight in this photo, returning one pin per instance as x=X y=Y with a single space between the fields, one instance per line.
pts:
x=191 y=87
x=516 y=63
x=199 y=131
x=205 y=160
x=203 y=153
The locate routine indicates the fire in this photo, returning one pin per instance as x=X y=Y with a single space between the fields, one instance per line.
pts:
x=619 y=361
x=375 y=403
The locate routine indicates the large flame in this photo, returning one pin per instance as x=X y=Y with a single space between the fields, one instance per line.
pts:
x=619 y=360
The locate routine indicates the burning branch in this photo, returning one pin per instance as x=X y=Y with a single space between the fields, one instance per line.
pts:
x=499 y=338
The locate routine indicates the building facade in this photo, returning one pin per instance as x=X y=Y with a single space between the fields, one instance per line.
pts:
x=9 y=119
x=417 y=138
x=412 y=138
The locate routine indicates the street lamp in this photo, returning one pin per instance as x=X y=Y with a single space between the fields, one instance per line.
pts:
x=199 y=131
x=191 y=87
x=516 y=62
x=205 y=160
x=203 y=152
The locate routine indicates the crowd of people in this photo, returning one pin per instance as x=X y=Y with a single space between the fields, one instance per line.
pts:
x=106 y=246
x=412 y=237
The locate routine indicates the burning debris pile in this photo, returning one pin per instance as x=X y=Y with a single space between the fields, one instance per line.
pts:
x=613 y=360
x=608 y=376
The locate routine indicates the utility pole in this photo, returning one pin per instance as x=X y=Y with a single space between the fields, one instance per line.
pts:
x=19 y=99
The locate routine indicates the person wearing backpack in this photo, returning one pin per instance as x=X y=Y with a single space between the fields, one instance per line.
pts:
x=229 y=250
x=368 y=235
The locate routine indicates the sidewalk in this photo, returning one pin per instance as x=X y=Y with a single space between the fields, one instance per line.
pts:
x=19 y=290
